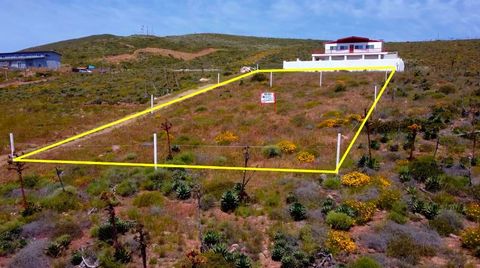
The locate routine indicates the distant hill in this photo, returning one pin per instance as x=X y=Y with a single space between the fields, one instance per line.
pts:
x=234 y=51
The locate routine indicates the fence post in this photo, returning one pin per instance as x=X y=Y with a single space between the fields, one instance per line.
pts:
x=321 y=78
x=271 y=79
x=218 y=78
x=151 y=103
x=155 y=150
x=12 y=145
x=339 y=140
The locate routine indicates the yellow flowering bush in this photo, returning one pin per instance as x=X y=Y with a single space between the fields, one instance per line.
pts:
x=338 y=241
x=472 y=211
x=305 y=157
x=331 y=123
x=226 y=138
x=471 y=239
x=382 y=182
x=355 y=179
x=287 y=146
x=365 y=210
x=355 y=117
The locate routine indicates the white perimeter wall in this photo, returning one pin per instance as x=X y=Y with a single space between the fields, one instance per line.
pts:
x=397 y=62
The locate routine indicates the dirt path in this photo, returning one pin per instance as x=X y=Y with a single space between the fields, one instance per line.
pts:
x=162 y=52
x=19 y=83
x=161 y=100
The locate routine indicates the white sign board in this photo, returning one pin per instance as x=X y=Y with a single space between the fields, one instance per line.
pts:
x=267 y=97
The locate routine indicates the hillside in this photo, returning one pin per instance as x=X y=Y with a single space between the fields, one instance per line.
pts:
x=408 y=194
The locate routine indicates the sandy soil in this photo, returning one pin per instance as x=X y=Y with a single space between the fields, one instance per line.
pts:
x=162 y=52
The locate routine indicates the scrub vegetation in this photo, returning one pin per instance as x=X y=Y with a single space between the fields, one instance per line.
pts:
x=408 y=195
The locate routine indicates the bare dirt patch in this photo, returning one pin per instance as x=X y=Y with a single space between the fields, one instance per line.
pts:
x=161 y=52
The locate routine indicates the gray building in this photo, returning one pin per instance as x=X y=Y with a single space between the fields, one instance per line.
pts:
x=36 y=59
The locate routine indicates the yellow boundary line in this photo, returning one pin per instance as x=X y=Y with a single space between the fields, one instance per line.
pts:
x=23 y=158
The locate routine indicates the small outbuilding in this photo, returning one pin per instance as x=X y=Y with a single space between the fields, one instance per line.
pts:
x=34 y=59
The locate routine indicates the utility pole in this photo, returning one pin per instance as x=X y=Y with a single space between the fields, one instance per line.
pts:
x=166 y=126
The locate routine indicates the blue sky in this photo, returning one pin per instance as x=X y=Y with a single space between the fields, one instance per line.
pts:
x=27 y=23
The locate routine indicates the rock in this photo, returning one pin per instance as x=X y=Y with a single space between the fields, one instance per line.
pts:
x=115 y=148
x=233 y=248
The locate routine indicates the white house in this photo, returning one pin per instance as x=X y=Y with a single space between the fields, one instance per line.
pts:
x=351 y=51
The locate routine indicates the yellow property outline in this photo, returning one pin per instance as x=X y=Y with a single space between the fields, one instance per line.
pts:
x=23 y=158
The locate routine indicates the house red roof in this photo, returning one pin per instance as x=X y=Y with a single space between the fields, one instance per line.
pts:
x=353 y=39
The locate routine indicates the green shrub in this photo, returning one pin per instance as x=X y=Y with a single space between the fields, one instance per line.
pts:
x=271 y=151
x=404 y=174
x=447 y=89
x=158 y=178
x=76 y=258
x=229 y=201
x=211 y=238
x=96 y=187
x=432 y=184
x=339 y=220
x=364 y=262
x=416 y=205
x=403 y=247
x=387 y=198
x=55 y=248
x=122 y=255
x=397 y=217
x=430 y=210
x=183 y=191
x=10 y=239
x=105 y=230
x=375 y=145
x=126 y=188
x=61 y=201
x=339 y=87
x=332 y=183
x=398 y=212
x=447 y=222
x=242 y=261
x=327 y=205
x=298 y=211
x=424 y=167
x=31 y=180
x=147 y=199
x=291 y=198
x=185 y=157
x=207 y=201
x=366 y=162
x=258 y=77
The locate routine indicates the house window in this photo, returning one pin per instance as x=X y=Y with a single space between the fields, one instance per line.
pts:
x=343 y=47
x=358 y=46
x=369 y=46
x=333 y=47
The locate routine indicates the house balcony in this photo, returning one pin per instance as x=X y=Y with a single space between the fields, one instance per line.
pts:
x=344 y=51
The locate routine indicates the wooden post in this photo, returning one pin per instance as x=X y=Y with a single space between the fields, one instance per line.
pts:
x=166 y=127
x=375 y=95
x=151 y=103
x=271 y=79
x=339 y=140
x=155 y=159
x=12 y=146
x=321 y=78
x=218 y=78
x=386 y=75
